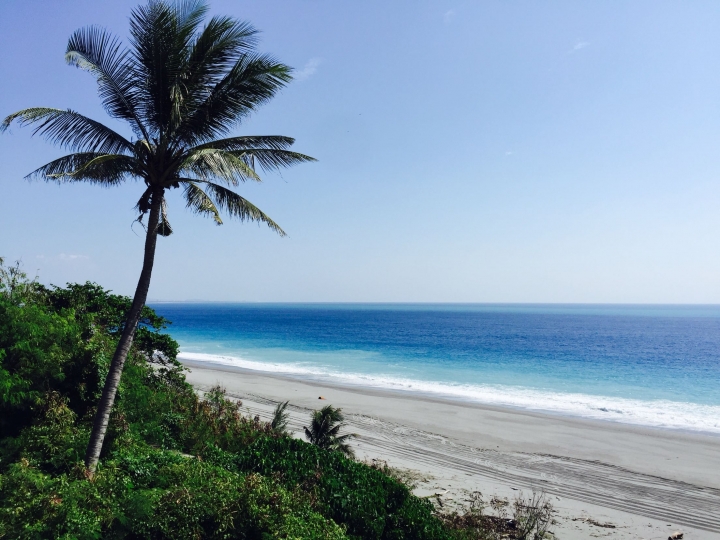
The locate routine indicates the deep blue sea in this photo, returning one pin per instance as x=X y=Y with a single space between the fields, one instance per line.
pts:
x=647 y=365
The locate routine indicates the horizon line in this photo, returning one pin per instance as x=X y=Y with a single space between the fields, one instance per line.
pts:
x=439 y=303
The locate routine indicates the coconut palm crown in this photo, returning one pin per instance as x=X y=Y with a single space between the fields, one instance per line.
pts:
x=324 y=430
x=182 y=88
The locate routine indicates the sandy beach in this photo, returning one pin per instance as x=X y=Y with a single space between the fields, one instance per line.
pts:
x=605 y=479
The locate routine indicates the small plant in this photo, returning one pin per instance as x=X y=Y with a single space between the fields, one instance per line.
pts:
x=533 y=517
x=324 y=430
x=279 y=423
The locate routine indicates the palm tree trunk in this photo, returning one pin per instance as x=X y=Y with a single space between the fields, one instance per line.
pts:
x=116 y=366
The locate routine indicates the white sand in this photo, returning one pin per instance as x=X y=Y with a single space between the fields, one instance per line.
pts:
x=639 y=482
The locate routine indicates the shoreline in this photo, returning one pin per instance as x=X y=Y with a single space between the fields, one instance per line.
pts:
x=438 y=397
x=637 y=478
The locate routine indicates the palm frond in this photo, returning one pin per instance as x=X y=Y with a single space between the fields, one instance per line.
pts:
x=153 y=35
x=333 y=432
x=269 y=152
x=214 y=52
x=143 y=204
x=189 y=14
x=341 y=439
x=164 y=228
x=104 y=169
x=219 y=45
x=187 y=17
x=266 y=142
x=199 y=202
x=270 y=159
x=161 y=35
x=343 y=447
x=238 y=207
x=252 y=81
x=71 y=130
x=98 y=52
x=210 y=164
x=280 y=418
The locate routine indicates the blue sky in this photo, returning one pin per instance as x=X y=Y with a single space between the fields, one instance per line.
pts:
x=468 y=152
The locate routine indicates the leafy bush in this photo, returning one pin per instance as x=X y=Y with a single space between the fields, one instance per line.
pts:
x=370 y=503
x=180 y=498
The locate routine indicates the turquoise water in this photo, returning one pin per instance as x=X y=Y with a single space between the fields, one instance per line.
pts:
x=649 y=365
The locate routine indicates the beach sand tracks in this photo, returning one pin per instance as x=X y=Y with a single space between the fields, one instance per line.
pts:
x=588 y=481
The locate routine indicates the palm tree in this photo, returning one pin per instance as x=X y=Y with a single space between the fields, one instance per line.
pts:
x=324 y=430
x=181 y=88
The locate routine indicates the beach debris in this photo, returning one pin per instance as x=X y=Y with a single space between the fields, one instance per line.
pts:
x=591 y=521
x=677 y=535
x=438 y=498
x=531 y=517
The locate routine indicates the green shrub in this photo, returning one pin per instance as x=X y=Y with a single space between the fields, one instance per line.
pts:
x=371 y=504
x=181 y=498
x=36 y=505
x=192 y=499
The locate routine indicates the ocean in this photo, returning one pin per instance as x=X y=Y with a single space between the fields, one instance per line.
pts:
x=644 y=365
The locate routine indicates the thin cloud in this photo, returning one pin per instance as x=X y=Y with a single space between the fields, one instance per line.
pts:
x=71 y=257
x=508 y=153
x=580 y=45
x=309 y=69
x=449 y=16
x=63 y=257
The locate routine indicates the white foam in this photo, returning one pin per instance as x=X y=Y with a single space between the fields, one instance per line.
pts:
x=657 y=413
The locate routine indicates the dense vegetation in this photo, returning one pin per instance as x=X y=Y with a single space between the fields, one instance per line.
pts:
x=173 y=465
